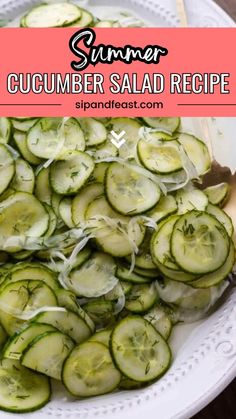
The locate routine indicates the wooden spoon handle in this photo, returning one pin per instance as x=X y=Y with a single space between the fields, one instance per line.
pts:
x=181 y=10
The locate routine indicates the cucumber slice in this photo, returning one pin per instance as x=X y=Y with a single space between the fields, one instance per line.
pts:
x=89 y=371
x=99 y=172
x=3 y=337
x=147 y=273
x=33 y=272
x=111 y=232
x=162 y=157
x=220 y=274
x=23 y=181
x=52 y=15
x=143 y=258
x=74 y=169
x=66 y=322
x=5 y=130
x=141 y=298
x=21 y=298
x=124 y=273
x=55 y=202
x=222 y=217
x=81 y=201
x=128 y=192
x=7 y=168
x=218 y=194
x=165 y=207
x=101 y=312
x=176 y=275
x=50 y=138
x=103 y=336
x=128 y=384
x=139 y=351
x=23 y=125
x=20 y=139
x=43 y=190
x=197 y=152
x=94 y=131
x=18 y=342
x=52 y=221
x=160 y=320
x=49 y=361
x=21 y=390
x=94 y=278
x=21 y=215
x=199 y=243
x=187 y=200
x=160 y=244
x=65 y=211
x=85 y=20
x=103 y=151
x=163 y=124
x=131 y=128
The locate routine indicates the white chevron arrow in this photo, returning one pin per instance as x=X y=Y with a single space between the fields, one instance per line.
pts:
x=117 y=139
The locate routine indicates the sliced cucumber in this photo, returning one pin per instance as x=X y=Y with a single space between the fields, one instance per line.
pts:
x=101 y=312
x=5 y=130
x=21 y=390
x=82 y=256
x=124 y=273
x=147 y=273
x=52 y=15
x=160 y=320
x=52 y=221
x=94 y=278
x=21 y=215
x=23 y=181
x=103 y=336
x=139 y=351
x=43 y=190
x=141 y=298
x=166 y=206
x=199 y=243
x=89 y=371
x=129 y=192
x=143 y=258
x=99 y=172
x=104 y=24
x=65 y=211
x=197 y=152
x=50 y=138
x=222 y=217
x=177 y=275
x=66 y=322
x=220 y=274
x=131 y=129
x=218 y=194
x=94 y=131
x=74 y=169
x=188 y=200
x=160 y=244
x=68 y=300
x=18 y=342
x=33 y=272
x=85 y=20
x=48 y=362
x=162 y=157
x=55 y=202
x=23 y=125
x=83 y=199
x=21 y=298
x=111 y=232
x=163 y=124
x=103 y=151
x=20 y=139
x=7 y=168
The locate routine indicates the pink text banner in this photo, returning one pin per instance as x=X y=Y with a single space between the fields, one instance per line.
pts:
x=117 y=72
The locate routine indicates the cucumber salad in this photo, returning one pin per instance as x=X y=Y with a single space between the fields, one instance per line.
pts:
x=103 y=249
x=77 y=15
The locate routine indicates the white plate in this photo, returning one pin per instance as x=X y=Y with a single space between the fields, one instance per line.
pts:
x=204 y=352
x=200 y=13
